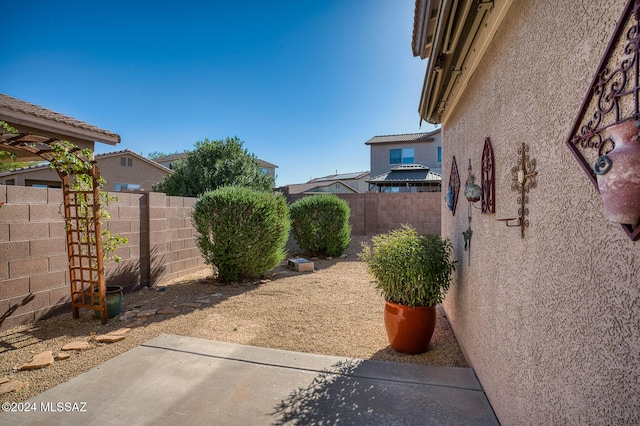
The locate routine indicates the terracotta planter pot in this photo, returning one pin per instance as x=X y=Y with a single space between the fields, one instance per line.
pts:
x=409 y=329
x=618 y=175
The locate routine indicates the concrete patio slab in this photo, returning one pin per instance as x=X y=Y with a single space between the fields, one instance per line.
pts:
x=182 y=380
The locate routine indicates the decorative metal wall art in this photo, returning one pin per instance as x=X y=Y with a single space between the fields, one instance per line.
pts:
x=454 y=187
x=472 y=191
x=523 y=179
x=612 y=98
x=488 y=179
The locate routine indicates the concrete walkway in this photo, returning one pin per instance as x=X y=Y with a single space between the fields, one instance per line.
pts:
x=175 y=380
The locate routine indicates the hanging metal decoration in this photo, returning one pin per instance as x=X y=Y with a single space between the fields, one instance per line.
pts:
x=612 y=101
x=488 y=179
x=523 y=179
x=454 y=187
x=472 y=191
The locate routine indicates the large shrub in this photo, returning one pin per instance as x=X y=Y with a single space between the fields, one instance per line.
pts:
x=320 y=224
x=241 y=232
x=212 y=165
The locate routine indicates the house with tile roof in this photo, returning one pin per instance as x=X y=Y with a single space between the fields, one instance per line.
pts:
x=410 y=148
x=122 y=170
x=410 y=162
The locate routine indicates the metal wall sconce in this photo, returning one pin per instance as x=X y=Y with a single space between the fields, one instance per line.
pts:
x=523 y=179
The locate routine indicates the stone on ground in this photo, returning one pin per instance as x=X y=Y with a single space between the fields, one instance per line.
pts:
x=76 y=346
x=11 y=386
x=39 y=361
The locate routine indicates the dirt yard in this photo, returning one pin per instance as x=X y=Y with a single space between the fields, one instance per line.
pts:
x=334 y=311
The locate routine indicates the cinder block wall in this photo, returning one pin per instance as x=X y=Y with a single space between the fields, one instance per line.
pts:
x=34 y=275
x=376 y=212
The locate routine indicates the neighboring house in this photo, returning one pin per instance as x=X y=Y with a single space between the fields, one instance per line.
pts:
x=122 y=170
x=342 y=183
x=546 y=308
x=407 y=178
x=29 y=118
x=411 y=148
x=170 y=160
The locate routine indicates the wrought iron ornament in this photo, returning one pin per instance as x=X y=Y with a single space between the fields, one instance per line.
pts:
x=488 y=179
x=454 y=187
x=523 y=179
x=613 y=97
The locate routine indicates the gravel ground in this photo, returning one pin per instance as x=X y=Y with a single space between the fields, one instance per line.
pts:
x=334 y=311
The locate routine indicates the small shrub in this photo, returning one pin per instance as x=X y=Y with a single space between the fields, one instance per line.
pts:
x=320 y=224
x=241 y=232
x=410 y=269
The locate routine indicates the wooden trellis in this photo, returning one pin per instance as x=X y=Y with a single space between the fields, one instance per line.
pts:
x=82 y=223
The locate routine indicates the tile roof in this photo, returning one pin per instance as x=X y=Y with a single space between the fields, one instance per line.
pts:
x=343 y=176
x=301 y=188
x=10 y=104
x=406 y=137
x=136 y=155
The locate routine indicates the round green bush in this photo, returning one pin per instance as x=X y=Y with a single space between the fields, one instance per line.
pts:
x=241 y=232
x=320 y=224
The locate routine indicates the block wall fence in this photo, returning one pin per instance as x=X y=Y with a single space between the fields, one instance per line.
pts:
x=34 y=275
x=377 y=212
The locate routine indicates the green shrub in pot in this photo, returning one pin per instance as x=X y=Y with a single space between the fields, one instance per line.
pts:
x=410 y=269
x=413 y=273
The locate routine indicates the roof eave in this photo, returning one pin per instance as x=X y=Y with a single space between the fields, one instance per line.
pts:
x=58 y=128
x=461 y=36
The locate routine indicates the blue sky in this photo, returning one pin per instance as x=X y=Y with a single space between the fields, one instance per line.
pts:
x=303 y=83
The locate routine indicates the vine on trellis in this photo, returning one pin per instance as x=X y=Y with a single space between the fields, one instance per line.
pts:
x=68 y=159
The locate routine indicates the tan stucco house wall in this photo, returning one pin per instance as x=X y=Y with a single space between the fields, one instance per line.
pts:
x=127 y=168
x=549 y=322
x=122 y=171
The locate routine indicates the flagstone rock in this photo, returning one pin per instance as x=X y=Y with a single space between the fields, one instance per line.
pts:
x=109 y=338
x=4 y=380
x=62 y=356
x=76 y=346
x=168 y=311
x=203 y=301
x=129 y=314
x=11 y=386
x=146 y=313
x=119 y=332
x=41 y=360
x=191 y=305
x=139 y=322
x=217 y=295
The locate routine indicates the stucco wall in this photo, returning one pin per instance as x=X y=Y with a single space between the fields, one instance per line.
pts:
x=140 y=172
x=425 y=153
x=551 y=322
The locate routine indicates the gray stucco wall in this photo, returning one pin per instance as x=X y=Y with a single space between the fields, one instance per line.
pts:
x=551 y=322
x=425 y=153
